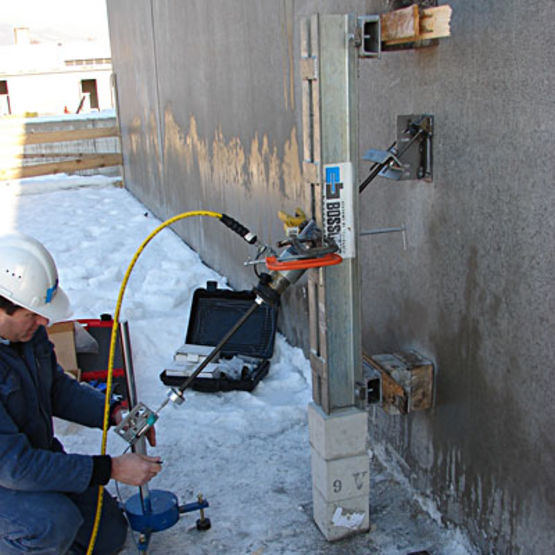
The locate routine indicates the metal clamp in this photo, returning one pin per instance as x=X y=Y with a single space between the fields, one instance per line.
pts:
x=136 y=423
x=409 y=157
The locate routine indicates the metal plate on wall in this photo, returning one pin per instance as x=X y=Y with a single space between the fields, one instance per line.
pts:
x=416 y=161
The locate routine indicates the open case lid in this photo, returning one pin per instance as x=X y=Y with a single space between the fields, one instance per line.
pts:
x=214 y=312
x=97 y=360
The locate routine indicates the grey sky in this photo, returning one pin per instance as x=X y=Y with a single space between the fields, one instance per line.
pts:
x=54 y=20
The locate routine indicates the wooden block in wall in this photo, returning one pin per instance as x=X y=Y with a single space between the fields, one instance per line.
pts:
x=413 y=24
x=400 y=25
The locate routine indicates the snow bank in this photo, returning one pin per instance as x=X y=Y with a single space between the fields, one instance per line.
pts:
x=247 y=453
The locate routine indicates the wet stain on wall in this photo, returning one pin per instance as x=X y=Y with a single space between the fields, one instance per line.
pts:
x=224 y=161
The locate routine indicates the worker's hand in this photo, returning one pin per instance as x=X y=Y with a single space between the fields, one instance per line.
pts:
x=135 y=469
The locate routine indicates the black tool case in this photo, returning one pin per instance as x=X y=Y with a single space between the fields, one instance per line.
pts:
x=243 y=360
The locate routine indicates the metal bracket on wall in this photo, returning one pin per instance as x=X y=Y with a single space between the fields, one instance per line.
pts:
x=368 y=36
x=409 y=157
x=400 y=382
x=414 y=140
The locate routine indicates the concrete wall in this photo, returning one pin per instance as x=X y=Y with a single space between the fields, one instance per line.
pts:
x=474 y=290
x=210 y=119
x=210 y=112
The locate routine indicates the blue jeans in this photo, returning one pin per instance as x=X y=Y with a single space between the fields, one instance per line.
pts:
x=56 y=523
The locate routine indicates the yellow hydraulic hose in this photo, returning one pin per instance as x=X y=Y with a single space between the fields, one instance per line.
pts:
x=111 y=356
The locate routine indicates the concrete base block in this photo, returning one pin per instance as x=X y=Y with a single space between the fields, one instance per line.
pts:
x=339 y=519
x=341 y=434
x=340 y=471
x=341 y=478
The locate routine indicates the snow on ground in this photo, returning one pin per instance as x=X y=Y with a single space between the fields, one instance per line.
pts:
x=247 y=453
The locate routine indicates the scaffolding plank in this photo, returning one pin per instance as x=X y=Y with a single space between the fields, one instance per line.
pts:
x=87 y=162
x=22 y=138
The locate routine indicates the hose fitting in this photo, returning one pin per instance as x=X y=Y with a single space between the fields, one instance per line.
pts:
x=239 y=228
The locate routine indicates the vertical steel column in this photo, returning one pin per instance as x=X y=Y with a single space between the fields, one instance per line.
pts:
x=330 y=136
x=132 y=400
x=338 y=429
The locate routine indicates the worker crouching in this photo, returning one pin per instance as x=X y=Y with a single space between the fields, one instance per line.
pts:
x=48 y=497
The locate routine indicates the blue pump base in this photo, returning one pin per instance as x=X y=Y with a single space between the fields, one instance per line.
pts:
x=162 y=512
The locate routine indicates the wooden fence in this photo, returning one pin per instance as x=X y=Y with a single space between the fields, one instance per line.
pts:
x=63 y=150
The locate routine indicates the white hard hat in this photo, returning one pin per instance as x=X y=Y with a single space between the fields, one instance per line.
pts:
x=28 y=277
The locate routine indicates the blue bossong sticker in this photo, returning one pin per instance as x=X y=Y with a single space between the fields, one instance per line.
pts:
x=338 y=207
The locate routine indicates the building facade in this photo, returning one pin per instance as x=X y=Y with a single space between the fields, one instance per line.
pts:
x=210 y=112
x=51 y=78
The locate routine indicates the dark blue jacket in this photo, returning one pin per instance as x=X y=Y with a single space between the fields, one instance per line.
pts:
x=33 y=389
